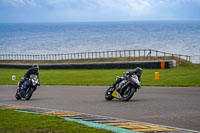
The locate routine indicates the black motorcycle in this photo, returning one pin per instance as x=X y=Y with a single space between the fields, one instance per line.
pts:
x=125 y=89
x=33 y=83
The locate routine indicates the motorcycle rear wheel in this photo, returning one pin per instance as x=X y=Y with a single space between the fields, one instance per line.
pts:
x=108 y=94
x=128 y=93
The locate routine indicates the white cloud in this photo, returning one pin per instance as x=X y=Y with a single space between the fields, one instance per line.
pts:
x=19 y=2
x=108 y=9
x=139 y=4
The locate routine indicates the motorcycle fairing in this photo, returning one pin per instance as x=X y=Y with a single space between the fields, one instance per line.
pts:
x=116 y=95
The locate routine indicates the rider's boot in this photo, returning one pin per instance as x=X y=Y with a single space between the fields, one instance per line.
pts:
x=19 y=85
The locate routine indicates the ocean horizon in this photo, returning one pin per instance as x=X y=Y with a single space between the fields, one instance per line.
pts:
x=180 y=37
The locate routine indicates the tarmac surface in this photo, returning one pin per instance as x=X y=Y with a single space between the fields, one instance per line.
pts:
x=171 y=106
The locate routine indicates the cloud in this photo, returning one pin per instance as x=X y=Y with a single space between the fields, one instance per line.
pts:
x=115 y=4
x=139 y=4
x=100 y=10
x=17 y=3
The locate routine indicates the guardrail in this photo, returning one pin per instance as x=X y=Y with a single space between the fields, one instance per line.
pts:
x=195 y=59
x=94 y=55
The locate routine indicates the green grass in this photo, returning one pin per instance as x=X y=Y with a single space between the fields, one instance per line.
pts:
x=17 y=122
x=184 y=75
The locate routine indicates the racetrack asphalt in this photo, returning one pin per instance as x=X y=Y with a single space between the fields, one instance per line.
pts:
x=170 y=106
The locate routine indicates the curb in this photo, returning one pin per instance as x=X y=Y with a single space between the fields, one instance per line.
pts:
x=109 y=123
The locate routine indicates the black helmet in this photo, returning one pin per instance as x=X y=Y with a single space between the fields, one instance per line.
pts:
x=138 y=71
x=35 y=66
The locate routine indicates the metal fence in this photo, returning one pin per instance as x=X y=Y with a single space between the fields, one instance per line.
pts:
x=94 y=55
x=195 y=59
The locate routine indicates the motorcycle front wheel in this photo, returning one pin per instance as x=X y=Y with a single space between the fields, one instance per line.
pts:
x=17 y=95
x=108 y=94
x=128 y=93
x=29 y=93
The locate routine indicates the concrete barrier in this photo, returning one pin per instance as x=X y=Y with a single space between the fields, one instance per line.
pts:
x=103 y=65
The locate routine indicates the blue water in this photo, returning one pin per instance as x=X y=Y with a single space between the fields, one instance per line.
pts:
x=181 y=37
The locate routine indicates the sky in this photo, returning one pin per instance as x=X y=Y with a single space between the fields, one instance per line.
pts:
x=97 y=10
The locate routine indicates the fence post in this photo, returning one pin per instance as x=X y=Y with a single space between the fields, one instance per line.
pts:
x=139 y=53
x=150 y=52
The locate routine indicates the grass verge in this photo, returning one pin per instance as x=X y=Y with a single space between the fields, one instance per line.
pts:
x=17 y=122
x=186 y=74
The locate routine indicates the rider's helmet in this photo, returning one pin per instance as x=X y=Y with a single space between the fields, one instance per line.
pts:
x=138 y=71
x=35 y=66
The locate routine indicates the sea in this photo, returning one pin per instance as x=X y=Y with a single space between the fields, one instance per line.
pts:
x=178 y=37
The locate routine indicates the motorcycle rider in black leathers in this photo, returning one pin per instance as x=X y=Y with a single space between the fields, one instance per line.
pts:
x=24 y=81
x=138 y=72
